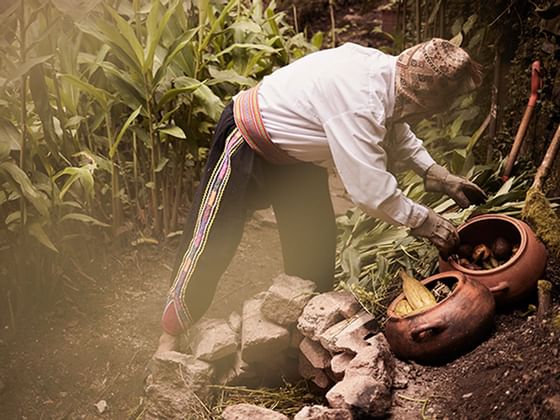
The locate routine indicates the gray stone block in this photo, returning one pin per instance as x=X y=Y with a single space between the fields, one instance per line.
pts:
x=286 y=299
x=325 y=310
x=213 y=339
x=251 y=412
x=261 y=339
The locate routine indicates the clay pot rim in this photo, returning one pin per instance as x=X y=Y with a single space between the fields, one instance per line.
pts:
x=457 y=275
x=483 y=217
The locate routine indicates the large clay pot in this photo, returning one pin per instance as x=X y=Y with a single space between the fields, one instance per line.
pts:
x=438 y=334
x=518 y=277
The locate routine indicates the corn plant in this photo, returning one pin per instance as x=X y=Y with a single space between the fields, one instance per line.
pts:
x=106 y=115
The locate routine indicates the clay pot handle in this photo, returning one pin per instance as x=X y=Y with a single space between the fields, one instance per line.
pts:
x=434 y=327
x=501 y=287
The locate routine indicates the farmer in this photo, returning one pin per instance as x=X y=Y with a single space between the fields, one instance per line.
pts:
x=346 y=108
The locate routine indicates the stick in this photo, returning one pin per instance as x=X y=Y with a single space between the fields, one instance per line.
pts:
x=548 y=160
x=544 y=298
x=535 y=82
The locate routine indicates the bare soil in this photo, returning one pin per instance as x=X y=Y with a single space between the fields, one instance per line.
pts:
x=61 y=363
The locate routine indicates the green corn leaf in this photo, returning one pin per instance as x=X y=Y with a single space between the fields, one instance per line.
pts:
x=175 y=49
x=184 y=85
x=82 y=174
x=125 y=126
x=100 y=95
x=212 y=103
x=156 y=26
x=37 y=231
x=257 y=47
x=174 y=131
x=162 y=163
x=126 y=30
x=9 y=135
x=24 y=68
x=84 y=218
x=216 y=25
x=20 y=178
x=13 y=217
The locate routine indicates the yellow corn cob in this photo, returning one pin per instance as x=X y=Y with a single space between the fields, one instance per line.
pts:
x=403 y=308
x=417 y=295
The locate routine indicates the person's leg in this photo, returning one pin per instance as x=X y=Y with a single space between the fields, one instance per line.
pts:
x=306 y=221
x=212 y=233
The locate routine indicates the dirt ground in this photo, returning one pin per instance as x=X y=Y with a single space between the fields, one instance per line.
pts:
x=62 y=363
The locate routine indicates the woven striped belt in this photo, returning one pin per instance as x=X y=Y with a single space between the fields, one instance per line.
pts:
x=249 y=122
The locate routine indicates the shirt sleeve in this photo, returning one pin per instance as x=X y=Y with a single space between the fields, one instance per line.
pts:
x=355 y=139
x=410 y=150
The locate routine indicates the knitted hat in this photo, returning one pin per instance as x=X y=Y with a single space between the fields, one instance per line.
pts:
x=431 y=73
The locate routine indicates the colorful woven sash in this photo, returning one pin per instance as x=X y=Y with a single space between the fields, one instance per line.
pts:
x=249 y=122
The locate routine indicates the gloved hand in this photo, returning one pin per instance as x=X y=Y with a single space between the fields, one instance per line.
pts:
x=464 y=192
x=439 y=231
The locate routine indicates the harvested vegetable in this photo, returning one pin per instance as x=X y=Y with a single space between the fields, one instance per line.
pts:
x=403 y=308
x=417 y=295
x=501 y=248
x=481 y=252
x=465 y=250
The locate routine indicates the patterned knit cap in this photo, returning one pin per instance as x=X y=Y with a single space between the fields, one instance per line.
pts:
x=432 y=73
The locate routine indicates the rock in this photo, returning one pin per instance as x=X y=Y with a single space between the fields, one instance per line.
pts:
x=175 y=367
x=318 y=412
x=401 y=374
x=317 y=376
x=339 y=363
x=286 y=299
x=350 y=334
x=364 y=396
x=101 y=406
x=234 y=322
x=275 y=372
x=239 y=373
x=552 y=404
x=295 y=338
x=250 y=412
x=325 y=310
x=213 y=339
x=176 y=386
x=375 y=361
x=315 y=353
x=260 y=338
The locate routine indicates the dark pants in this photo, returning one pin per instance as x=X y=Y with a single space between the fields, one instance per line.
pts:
x=235 y=182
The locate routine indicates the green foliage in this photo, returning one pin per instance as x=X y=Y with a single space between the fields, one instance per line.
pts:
x=106 y=110
x=372 y=252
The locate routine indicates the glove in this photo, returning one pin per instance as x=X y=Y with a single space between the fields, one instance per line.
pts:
x=439 y=231
x=464 y=192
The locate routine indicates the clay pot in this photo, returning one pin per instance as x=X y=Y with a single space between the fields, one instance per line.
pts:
x=518 y=277
x=438 y=334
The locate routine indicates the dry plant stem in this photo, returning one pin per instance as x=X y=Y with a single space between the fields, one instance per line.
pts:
x=333 y=23
x=417 y=11
x=518 y=140
x=537 y=208
x=544 y=298
x=23 y=115
x=294 y=11
x=494 y=102
x=548 y=160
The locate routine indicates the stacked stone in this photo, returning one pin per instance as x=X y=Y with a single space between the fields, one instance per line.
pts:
x=260 y=346
x=282 y=334
x=342 y=346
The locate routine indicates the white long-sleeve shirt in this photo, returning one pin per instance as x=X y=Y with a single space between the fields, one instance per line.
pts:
x=333 y=108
